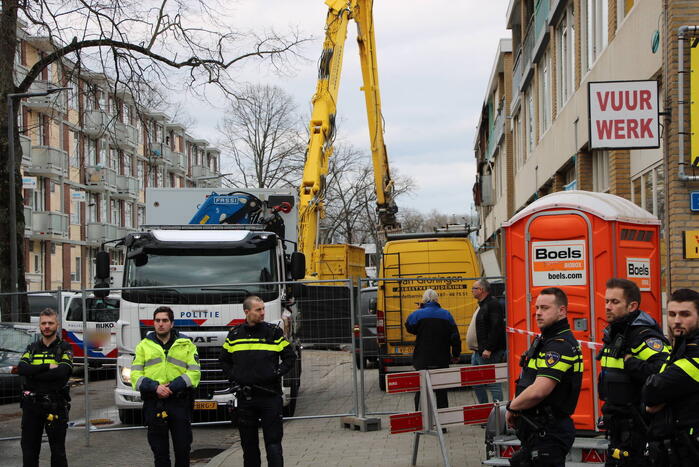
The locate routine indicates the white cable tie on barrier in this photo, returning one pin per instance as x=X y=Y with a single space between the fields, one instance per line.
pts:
x=588 y=344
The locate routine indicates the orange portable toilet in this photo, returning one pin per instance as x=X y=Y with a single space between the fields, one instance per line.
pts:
x=576 y=240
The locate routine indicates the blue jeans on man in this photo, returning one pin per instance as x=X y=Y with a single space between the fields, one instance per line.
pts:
x=495 y=389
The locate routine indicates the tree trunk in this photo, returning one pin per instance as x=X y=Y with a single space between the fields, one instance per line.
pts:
x=8 y=45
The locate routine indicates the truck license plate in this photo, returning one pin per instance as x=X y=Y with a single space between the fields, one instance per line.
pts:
x=404 y=349
x=205 y=405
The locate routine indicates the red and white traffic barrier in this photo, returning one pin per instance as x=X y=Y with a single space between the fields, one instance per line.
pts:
x=444 y=378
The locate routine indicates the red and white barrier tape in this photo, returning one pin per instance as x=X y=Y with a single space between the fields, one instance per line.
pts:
x=588 y=344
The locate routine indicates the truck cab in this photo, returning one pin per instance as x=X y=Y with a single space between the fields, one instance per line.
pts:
x=203 y=272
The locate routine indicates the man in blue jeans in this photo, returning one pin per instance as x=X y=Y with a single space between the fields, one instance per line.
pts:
x=490 y=333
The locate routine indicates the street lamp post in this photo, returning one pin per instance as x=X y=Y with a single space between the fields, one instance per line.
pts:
x=12 y=214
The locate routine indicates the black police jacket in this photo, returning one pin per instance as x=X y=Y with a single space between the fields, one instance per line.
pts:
x=638 y=335
x=35 y=366
x=677 y=383
x=251 y=356
x=490 y=325
x=554 y=354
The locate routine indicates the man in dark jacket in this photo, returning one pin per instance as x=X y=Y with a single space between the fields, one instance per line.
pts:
x=673 y=394
x=490 y=333
x=634 y=349
x=436 y=333
x=255 y=356
x=46 y=366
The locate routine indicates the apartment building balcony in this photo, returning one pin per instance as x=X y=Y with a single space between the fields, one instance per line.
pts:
x=49 y=225
x=125 y=135
x=179 y=162
x=201 y=171
x=100 y=179
x=126 y=187
x=28 y=222
x=96 y=123
x=534 y=39
x=170 y=156
x=26 y=143
x=496 y=133
x=47 y=162
x=100 y=232
x=516 y=82
x=55 y=102
x=157 y=152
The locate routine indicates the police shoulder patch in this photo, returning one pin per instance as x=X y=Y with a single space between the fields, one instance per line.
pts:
x=551 y=358
x=654 y=343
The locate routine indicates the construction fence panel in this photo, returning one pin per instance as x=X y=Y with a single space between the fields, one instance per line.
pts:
x=384 y=304
x=18 y=329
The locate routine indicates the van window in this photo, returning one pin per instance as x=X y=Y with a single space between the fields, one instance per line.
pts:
x=101 y=310
x=38 y=302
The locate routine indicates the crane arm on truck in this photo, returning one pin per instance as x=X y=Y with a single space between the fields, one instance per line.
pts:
x=322 y=124
x=239 y=207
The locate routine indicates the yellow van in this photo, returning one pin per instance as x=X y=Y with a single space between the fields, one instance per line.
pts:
x=448 y=257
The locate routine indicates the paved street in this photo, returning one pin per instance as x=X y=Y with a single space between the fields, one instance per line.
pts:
x=326 y=390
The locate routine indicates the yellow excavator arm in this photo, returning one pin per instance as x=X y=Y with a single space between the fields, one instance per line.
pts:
x=322 y=124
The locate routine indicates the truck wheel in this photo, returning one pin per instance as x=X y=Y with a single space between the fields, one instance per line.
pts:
x=130 y=416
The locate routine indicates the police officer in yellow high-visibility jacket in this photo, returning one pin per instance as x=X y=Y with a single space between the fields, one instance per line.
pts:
x=673 y=394
x=165 y=370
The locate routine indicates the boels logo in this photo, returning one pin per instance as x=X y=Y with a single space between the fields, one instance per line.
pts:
x=559 y=263
x=554 y=254
x=638 y=270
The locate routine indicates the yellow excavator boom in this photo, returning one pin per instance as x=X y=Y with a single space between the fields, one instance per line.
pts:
x=322 y=125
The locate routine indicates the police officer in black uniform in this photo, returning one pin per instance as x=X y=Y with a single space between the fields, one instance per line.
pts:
x=634 y=348
x=46 y=366
x=548 y=387
x=673 y=394
x=251 y=358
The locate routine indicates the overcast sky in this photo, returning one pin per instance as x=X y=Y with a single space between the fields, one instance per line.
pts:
x=434 y=58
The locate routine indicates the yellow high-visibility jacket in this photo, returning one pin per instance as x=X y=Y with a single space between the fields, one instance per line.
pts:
x=152 y=366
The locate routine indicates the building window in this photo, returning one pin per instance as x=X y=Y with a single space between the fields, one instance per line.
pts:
x=115 y=206
x=544 y=93
x=91 y=152
x=139 y=173
x=600 y=171
x=623 y=7
x=103 y=213
x=103 y=153
x=75 y=149
x=565 y=59
x=595 y=18
x=73 y=95
x=37 y=201
x=91 y=208
x=114 y=160
x=75 y=211
x=570 y=182
x=518 y=138
x=128 y=162
x=648 y=191
x=140 y=216
x=76 y=274
x=529 y=99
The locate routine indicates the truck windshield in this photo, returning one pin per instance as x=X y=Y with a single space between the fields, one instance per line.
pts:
x=101 y=310
x=215 y=272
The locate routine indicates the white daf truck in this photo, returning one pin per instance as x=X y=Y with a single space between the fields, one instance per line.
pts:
x=201 y=253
